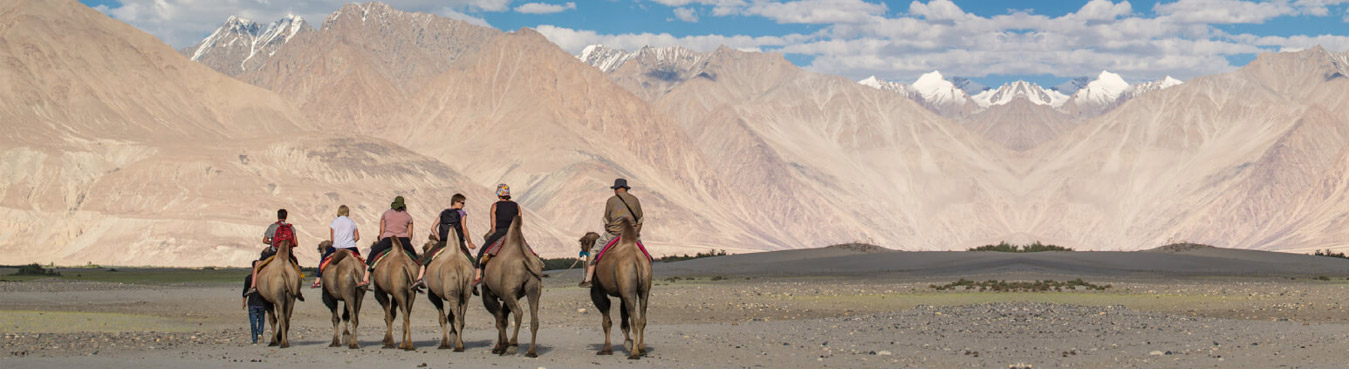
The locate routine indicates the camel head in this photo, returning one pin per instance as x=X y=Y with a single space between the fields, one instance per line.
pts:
x=588 y=241
x=323 y=246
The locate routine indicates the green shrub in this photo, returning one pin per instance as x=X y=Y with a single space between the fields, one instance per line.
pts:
x=36 y=270
x=1007 y=247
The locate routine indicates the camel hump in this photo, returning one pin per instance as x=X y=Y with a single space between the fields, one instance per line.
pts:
x=628 y=229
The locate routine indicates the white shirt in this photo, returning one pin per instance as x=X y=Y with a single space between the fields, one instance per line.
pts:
x=343 y=233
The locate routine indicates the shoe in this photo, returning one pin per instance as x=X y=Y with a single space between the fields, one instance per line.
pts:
x=421 y=282
x=316 y=284
x=299 y=296
x=475 y=290
x=251 y=290
x=583 y=284
x=363 y=284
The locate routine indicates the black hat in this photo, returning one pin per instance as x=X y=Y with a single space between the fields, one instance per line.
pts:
x=620 y=183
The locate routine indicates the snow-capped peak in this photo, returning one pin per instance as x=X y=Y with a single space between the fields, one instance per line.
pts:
x=884 y=85
x=604 y=58
x=935 y=89
x=1104 y=90
x=1146 y=87
x=243 y=38
x=1020 y=89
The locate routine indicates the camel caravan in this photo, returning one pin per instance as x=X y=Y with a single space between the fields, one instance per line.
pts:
x=506 y=273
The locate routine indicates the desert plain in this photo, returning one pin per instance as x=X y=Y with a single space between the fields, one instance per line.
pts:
x=1172 y=308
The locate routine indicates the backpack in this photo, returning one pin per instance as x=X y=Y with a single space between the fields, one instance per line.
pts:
x=284 y=232
x=449 y=222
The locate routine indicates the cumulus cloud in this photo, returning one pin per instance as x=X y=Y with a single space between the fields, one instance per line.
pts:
x=544 y=8
x=686 y=14
x=573 y=41
x=183 y=23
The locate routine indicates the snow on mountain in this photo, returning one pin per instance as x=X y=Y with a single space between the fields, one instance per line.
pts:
x=1104 y=90
x=245 y=42
x=610 y=59
x=937 y=90
x=1030 y=91
x=1146 y=87
x=604 y=58
x=890 y=86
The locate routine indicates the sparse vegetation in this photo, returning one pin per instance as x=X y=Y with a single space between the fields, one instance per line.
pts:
x=35 y=270
x=560 y=263
x=1007 y=247
x=1018 y=286
x=674 y=258
x=1330 y=253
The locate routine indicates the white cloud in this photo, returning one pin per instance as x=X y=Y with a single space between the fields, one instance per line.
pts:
x=182 y=23
x=544 y=8
x=817 y=11
x=686 y=14
x=573 y=40
x=1223 y=11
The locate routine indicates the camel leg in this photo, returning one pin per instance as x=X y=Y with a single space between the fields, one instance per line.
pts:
x=534 y=295
x=460 y=307
x=271 y=321
x=625 y=314
x=444 y=320
x=354 y=305
x=513 y=304
x=640 y=322
x=388 y=318
x=602 y=303
x=406 y=303
x=500 y=312
x=634 y=318
x=331 y=303
x=285 y=322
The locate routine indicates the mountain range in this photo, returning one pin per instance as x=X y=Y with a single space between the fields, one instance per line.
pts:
x=125 y=151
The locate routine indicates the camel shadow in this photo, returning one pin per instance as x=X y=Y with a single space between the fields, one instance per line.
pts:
x=618 y=348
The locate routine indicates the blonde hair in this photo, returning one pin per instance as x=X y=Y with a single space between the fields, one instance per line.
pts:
x=343 y=211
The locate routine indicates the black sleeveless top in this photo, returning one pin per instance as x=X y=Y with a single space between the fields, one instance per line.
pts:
x=506 y=212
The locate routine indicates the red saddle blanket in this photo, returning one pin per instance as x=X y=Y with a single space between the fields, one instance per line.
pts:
x=324 y=264
x=615 y=242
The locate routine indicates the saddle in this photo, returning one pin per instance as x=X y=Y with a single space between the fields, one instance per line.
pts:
x=293 y=263
x=614 y=241
x=338 y=256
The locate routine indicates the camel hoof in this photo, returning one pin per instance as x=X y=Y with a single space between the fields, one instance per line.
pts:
x=273 y=344
x=409 y=348
x=459 y=349
x=285 y=345
x=443 y=346
x=388 y=346
x=354 y=346
x=531 y=354
x=605 y=352
x=335 y=344
x=634 y=357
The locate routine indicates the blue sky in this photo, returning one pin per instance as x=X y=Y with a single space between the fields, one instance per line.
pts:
x=992 y=42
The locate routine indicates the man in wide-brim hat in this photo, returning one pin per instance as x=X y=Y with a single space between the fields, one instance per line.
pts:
x=621 y=205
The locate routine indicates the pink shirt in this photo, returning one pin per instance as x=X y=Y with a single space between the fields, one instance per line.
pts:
x=396 y=223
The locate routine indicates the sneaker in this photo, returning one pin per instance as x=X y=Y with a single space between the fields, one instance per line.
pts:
x=583 y=284
x=421 y=282
x=316 y=284
x=251 y=290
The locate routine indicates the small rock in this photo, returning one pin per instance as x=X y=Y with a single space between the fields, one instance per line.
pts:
x=883 y=353
x=1156 y=353
x=582 y=310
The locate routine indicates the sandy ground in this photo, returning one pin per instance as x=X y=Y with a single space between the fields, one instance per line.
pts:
x=1151 y=319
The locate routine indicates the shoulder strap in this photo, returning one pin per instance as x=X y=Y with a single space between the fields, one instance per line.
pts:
x=630 y=212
